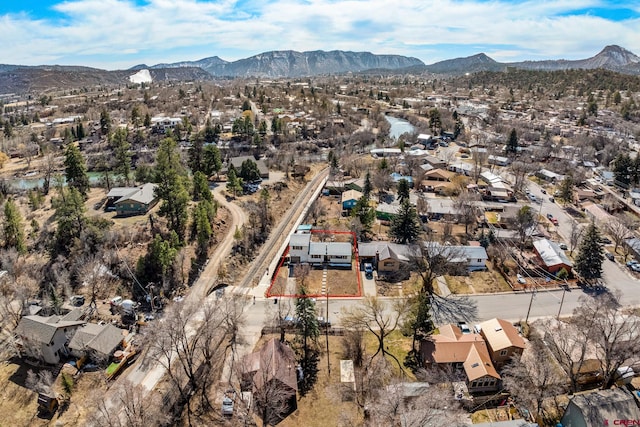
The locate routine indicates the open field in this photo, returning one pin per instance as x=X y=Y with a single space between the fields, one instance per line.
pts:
x=477 y=283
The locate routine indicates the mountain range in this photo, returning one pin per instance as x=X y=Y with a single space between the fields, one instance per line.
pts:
x=289 y=63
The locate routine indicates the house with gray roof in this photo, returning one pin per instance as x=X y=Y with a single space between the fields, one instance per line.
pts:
x=130 y=201
x=99 y=342
x=237 y=164
x=385 y=257
x=601 y=408
x=45 y=338
x=303 y=250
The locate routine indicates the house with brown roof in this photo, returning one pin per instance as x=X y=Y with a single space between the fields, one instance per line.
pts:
x=462 y=352
x=270 y=374
x=441 y=175
x=503 y=340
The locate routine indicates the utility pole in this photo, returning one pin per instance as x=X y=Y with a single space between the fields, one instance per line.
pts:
x=533 y=294
x=564 y=291
x=326 y=333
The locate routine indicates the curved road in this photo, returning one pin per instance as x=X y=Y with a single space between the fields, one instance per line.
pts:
x=149 y=375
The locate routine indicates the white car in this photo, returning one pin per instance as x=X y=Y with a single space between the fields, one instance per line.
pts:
x=521 y=279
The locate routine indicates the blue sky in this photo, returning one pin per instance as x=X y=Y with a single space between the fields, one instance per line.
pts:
x=117 y=34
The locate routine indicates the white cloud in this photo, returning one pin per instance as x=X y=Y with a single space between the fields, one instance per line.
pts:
x=118 y=31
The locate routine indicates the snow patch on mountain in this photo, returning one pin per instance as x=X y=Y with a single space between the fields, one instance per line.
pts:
x=142 y=76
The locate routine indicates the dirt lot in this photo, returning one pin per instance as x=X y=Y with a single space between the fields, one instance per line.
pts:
x=340 y=281
x=477 y=283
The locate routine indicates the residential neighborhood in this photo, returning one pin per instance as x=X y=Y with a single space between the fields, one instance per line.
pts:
x=349 y=249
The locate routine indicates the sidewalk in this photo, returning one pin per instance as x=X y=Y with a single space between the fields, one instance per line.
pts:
x=442 y=285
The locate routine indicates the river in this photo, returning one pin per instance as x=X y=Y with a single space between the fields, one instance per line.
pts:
x=398 y=126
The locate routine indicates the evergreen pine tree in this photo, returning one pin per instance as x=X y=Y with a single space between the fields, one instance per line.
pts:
x=403 y=190
x=512 y=143
x=368 y=187
x=590 y=257
x=76 y=170
x=13 y=227
x=172 y=181
x=405 y=227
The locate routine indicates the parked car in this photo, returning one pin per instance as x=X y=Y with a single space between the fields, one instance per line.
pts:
x=549 y=216
x=636 y=268
x=464 y=328
x=552 y=200
x=610 y=256
x=77 y=300
x=605 y=240
x=554 y=221
x=543 y=191
x=323 y=323
x=521 y=279
x=368 y=271
x=227 y=407
x=632 y=262
x=563 y=246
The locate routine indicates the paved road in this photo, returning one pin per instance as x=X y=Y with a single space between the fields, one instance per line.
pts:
x=615 y=275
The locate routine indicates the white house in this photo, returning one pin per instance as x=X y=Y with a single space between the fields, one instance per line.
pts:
x=45 y=338
x=162 y=124
x=303 y=250
x=333 y=253
x=425 y=139
x=385 y=152
x=299 y=247
x=473 y=257
x=498 y=160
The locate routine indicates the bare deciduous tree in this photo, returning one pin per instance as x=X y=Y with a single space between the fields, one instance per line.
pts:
x=467 y=207
x=190 y=340
x=615 y=334
x=378 y=318
x=575 y=235
x=128 y=405
x=569 y=345
x=618 y=229
x=533 y=378
x=272 y=400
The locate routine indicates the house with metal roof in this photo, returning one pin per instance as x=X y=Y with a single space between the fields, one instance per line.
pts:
x=350 y=198
x=132 y=200
x=237 y=164
x=333 y=253
x=45 y=338
x=299 y=247
x=503 y=340
x=551 y=257
x=474 y=258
